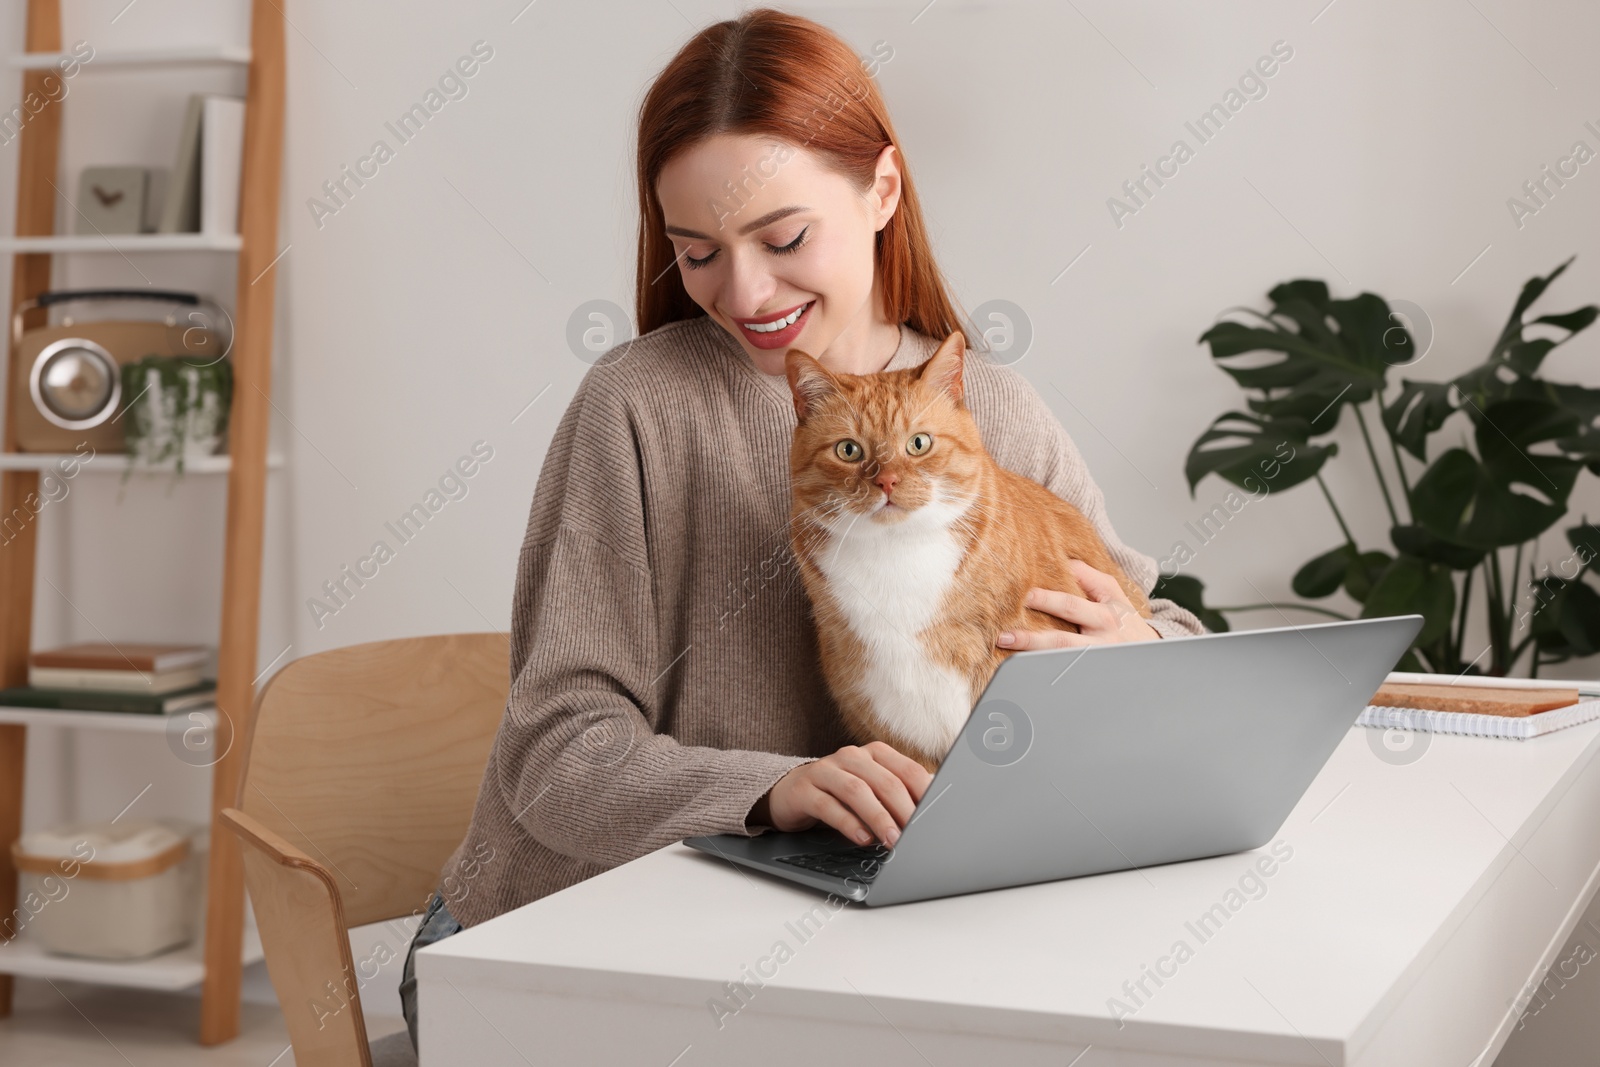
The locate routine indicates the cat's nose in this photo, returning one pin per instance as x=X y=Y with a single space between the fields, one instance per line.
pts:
x=886 y=482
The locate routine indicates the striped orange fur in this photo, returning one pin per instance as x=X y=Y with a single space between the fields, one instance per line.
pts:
x=917 y=549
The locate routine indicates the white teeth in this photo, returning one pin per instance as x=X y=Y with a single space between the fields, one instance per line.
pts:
x=777 y=324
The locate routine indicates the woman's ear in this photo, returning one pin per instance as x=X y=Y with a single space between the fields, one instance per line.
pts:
x=809 y=381
x=886 y=185
x=943 y=368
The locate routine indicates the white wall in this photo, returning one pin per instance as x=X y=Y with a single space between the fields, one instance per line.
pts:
x=431 y=308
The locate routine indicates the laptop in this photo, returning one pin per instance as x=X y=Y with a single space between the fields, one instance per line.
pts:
x=1080 y=761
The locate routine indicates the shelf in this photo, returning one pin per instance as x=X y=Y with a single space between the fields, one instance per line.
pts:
x=124 y=242
x=117 y=462
x=181 y=968
x=194 y=56
x=94 y=720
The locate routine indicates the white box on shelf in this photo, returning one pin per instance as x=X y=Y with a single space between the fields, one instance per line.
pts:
x=107 y=891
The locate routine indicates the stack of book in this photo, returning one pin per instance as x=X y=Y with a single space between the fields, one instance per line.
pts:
x=137 y=678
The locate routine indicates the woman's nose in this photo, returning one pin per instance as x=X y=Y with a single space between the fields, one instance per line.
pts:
x=749 y=289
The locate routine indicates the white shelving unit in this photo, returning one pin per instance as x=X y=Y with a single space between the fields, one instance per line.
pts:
x=125 y=242
x=182 y=968
x=210 y=960
x=198 y=56
x=95 y=720
x=117 y=462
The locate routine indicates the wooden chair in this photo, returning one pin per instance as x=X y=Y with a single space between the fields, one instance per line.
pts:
x=362 y=768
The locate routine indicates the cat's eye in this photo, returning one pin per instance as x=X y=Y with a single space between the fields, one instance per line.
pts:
x=919 y=444
x=848 y=451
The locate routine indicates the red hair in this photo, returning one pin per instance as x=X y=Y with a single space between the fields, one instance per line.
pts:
x=778 y=75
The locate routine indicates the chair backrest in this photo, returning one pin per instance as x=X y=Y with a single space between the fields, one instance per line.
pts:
x=362 y=769
x=369 y=758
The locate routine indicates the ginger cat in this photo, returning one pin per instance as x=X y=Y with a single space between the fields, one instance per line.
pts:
x=917 y=549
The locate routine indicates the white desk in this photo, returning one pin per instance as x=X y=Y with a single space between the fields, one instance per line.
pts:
x=1418 y=903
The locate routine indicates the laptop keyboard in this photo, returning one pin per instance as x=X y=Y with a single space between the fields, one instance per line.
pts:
x=861 y=863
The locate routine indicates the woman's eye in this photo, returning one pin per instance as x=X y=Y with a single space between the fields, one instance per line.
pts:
x=794 y=245
x=847 y=450
x=919 y=444
x=784 y=250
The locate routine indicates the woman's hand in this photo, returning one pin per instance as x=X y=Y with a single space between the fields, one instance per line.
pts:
x=1104 y=617
x=863 y=791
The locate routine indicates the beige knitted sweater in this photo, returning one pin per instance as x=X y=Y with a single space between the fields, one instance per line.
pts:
x=664 y=670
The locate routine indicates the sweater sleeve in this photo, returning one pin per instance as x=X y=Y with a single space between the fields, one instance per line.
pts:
x=577 y=759
x=1055 y=462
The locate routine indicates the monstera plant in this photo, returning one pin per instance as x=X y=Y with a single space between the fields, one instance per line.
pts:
x=1513 y=445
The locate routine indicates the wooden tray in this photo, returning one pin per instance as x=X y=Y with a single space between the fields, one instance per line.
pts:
x=1473 y=699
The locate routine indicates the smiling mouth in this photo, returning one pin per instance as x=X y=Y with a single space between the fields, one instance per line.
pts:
x=780 y=323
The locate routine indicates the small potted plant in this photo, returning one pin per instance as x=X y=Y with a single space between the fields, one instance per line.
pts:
x=1453 y=510
x=176 y=408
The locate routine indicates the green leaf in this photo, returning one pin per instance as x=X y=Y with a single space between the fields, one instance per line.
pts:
x=1461 y=501
x=1524 y=357
x=1365 y=324
x=1417 y=541
x=1585 y=541
x=1334 y=352
x=1410 y=662
x=1323 y=575
x=1316 y=407
x=1410 y=585
x=1441 y=495
x=1523 y=354
x=1188 y=592
x=1578 y=613
x=1419 y=410
x=1532 y=289
x=1567 y=624
x=1308 y=291
x=1572 y=321
x=1363 y=571
x=1507 y=433
x=1251 y=451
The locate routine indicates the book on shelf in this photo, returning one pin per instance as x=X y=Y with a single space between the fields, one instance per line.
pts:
x=181 y=212
x=27 y=696
x=154 y=682
x=150 y=657
x=202 y=193
x=221 y=163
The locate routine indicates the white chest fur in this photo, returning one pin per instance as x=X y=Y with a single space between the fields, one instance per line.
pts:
x=889 y=580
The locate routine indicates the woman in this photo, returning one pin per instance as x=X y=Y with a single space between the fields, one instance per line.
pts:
x=666 y=679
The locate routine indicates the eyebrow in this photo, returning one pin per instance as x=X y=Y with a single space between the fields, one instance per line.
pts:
x=765 y=220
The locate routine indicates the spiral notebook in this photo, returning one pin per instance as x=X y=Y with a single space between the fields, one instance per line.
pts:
x=1516 y=727
x=1456 y=722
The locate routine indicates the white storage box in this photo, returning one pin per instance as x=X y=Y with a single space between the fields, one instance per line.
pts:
x=110 y=891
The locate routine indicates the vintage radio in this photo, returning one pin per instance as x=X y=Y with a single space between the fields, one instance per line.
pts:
x=66 y=378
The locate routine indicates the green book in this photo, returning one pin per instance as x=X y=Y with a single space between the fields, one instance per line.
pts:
x=31 y=696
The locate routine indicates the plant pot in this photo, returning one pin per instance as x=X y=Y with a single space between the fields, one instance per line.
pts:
x=177 y=408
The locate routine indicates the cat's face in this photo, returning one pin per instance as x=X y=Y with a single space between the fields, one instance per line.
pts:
x=893 y=447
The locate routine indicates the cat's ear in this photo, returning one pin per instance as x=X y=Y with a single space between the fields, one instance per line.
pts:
x=809 y=381
x=943 y=368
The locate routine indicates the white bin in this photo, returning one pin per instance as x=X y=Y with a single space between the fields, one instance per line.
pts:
x=111 y=891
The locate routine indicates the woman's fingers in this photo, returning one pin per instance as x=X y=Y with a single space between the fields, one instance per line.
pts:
x=881 y=767
x=864 y=792
x=855 y=779
x=1029 y=640
x=913 y=775
x=819 y=803
x=1097 y=583
x=1103 y=616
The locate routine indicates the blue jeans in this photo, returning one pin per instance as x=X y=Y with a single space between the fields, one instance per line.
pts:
x=437 y=924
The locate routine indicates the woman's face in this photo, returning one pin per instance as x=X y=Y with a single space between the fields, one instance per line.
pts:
x=763 y=231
